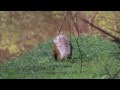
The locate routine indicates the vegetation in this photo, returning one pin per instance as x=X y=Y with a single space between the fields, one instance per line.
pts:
x=26 y=39
x=99 y=62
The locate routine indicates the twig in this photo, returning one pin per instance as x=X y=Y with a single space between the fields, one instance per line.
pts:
x=76 y=26
x=62 y=23
x=80 y=55
x=103 y=31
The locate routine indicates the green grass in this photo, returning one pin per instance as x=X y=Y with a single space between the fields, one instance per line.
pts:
x=99 y=61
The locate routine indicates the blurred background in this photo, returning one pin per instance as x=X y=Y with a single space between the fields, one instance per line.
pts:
x=20 y=31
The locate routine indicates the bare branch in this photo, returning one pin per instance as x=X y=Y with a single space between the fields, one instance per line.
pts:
x=76 y=26
x=93 y=16
x=101 y=30
x=62 y=23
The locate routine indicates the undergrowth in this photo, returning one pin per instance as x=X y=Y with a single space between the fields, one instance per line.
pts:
x=100 y=61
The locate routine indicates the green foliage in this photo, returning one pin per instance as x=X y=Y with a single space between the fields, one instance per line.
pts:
x=20 y=30
x=35 y=26
x=98 y=57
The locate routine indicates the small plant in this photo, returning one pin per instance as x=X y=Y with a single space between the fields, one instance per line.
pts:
x=98 y=62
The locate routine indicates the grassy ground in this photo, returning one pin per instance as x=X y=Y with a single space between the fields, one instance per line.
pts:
x=100 y=60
